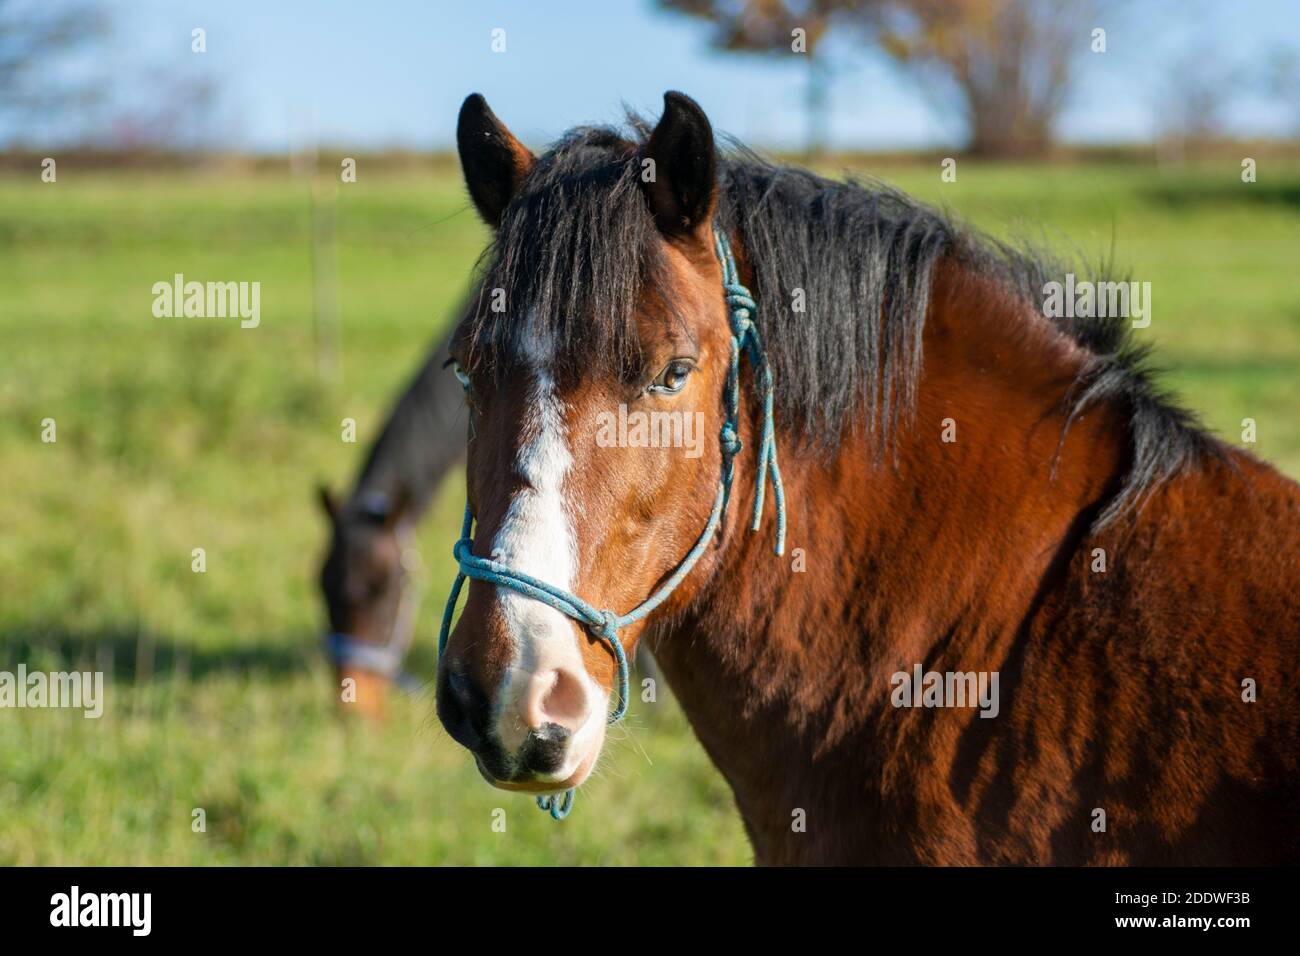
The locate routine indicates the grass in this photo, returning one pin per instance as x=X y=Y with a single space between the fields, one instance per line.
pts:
x=175 y=434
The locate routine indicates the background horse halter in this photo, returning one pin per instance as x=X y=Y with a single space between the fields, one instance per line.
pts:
x=604 y=624
x=348 y=651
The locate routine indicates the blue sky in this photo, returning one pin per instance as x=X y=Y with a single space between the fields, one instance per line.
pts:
x=376 y=74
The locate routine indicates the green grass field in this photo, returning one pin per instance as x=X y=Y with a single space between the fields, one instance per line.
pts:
x=175 y=434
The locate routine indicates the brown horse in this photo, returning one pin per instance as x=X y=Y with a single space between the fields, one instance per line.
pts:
x=1029 y=612
x=371 y=599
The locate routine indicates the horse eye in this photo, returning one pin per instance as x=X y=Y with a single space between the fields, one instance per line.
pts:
x=672 y=378
x=461 y=375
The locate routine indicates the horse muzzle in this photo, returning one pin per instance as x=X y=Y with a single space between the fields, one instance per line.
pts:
x=521 y=745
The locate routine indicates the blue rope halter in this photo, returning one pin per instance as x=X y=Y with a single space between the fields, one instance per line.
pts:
x=605 y=625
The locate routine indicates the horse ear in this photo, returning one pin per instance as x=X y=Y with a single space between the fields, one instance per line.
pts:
x=494 y=162
x=681 y=182
x=328 y=502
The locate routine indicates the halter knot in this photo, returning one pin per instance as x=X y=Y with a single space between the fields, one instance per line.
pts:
x=730 y=441
x=741 y=308
x=608 y=628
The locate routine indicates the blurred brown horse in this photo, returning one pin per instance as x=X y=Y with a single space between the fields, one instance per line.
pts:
x=975 y=491
x=371 y=598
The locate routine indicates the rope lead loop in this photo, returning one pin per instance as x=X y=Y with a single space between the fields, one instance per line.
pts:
x=557 y=805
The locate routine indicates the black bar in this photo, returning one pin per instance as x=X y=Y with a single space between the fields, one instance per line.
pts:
x=227 y=904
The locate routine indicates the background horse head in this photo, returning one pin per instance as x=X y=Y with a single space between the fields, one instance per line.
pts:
x=367 y=597
x=367 y=577
x=977 y=488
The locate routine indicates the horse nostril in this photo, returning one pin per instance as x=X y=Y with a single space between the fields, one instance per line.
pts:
x=459 y=684
x=464 y=709
x=556 y=697
x=544 y=749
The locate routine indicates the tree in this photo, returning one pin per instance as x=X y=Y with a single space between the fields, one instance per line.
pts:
x=1010 y=62
x=35 y=40
x=1280 y=79
x=1192 y=103
x=1007 y=63
x=772 y=27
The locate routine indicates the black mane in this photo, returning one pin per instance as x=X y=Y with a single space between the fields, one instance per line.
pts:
x=578 y=246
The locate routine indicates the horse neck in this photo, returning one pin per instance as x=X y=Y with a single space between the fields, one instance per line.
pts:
x=934 y=555
x=421 y=440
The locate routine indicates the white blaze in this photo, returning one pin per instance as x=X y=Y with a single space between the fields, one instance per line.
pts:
x=536 y=538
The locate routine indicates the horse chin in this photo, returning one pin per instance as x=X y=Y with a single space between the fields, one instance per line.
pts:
x=551 y=783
